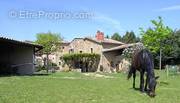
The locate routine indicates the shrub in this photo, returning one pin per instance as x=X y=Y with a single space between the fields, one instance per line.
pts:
x=86 y=61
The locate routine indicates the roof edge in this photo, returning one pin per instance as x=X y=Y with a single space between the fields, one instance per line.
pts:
x=20 y=42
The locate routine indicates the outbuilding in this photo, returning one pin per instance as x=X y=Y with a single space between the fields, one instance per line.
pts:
x=17 y=57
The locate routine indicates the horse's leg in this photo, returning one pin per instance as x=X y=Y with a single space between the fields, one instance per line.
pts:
x=142 y=81
x=134 y=78
x=147 y=78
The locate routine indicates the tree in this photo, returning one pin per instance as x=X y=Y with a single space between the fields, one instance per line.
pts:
x=130 y=37
x=50 y=42
x=173 y=47
x=175 y=43
x=116 y=36
x=154 y=37
x=138 y=39
x=107 y=36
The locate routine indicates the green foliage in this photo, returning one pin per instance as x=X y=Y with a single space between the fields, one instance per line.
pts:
x=130 y=37
x=156 y=38
x=88 y=60
x=50 y=41
x=173 y=47
x=80 y=56
x=153 y=37
x=175 y=43
x=116 y=36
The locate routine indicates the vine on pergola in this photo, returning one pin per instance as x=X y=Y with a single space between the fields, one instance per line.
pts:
x=88 y=60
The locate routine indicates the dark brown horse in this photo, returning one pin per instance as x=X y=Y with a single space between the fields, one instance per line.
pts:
x=143 y=62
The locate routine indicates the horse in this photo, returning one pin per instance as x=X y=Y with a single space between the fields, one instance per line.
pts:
x=142 y=61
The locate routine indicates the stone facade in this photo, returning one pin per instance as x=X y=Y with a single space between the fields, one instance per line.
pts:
x=109 y=61
x=81 y=45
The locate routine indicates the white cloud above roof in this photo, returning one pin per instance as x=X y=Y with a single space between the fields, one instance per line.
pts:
x=170 y=8
x=106 y=20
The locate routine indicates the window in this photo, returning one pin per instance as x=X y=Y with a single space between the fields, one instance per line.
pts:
x=71 y=51
x=112 y=64
x=91 y=50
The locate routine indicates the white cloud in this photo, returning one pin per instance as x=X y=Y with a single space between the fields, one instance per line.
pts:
x=170 y=8
x=108 y=21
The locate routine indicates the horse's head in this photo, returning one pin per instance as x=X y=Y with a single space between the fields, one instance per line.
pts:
x=152 y=86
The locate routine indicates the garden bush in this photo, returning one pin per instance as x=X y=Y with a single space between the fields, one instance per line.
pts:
x=87 y=62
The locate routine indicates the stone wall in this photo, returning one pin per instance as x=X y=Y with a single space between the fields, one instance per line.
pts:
x=78 y=45
x=108 y=61
x=84 y=46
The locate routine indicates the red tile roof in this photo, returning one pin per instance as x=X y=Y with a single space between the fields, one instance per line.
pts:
x=111 y=41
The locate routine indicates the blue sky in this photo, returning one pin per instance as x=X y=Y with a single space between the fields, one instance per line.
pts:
x=108 y=16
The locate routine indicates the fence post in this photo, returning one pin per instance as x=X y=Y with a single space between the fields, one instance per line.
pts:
x=167 y=70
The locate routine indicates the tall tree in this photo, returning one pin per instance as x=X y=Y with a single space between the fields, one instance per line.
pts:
x=176 y=44
x=129 y=37
x=107 y=36
x=173 y=46
x=154 y=37
x=116 y=36
x=50 y=42
x=138 y=39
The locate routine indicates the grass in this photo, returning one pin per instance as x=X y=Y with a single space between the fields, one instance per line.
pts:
x=78 y=88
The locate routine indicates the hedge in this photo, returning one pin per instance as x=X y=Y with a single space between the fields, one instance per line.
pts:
x=89 y=60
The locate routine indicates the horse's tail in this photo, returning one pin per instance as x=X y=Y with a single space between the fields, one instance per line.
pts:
x=131 y=71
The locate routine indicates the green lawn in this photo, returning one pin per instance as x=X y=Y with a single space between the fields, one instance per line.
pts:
x=79 y=88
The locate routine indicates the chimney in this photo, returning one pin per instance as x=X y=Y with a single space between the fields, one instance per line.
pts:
x=99 y=36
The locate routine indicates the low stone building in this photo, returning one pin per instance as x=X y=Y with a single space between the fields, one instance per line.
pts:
x=17 y=57
x=110 y=51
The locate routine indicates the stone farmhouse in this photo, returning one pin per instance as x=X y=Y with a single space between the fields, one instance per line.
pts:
x=110 y=51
